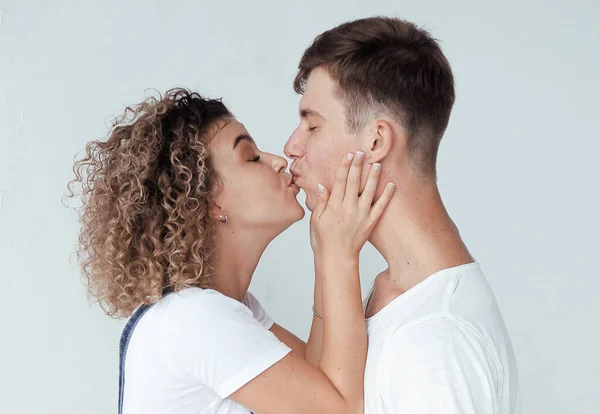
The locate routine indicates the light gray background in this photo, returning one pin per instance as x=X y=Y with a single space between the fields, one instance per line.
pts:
x=518 y=168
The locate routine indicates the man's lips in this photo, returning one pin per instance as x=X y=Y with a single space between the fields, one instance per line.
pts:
x=291 y=184
x=296 y=180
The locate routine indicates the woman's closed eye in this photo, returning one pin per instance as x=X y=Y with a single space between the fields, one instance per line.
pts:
x=256 y=158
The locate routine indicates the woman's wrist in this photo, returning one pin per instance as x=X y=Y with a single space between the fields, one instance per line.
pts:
x=335 y=258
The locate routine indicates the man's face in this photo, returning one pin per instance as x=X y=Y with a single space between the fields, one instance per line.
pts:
x=321 y=140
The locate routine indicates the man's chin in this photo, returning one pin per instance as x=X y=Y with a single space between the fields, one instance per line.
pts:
x=309 y=203
x=309 y=199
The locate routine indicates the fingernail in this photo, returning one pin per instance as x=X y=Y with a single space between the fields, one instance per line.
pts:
x=391 y=186
x=350 y=156
x=321 y=189
x=359 y=155
x=376 y=166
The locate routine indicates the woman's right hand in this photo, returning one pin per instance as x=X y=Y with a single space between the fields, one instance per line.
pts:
x=342 y=222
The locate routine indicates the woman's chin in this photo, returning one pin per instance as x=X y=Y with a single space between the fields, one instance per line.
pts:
x=298 y=215
x=295 y=215
x=300 y=212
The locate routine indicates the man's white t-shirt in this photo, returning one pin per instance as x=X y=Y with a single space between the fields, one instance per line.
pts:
x=441 y=348
x=193 y=349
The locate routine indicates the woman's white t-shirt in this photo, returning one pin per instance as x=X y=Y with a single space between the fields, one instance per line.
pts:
x=193 y=349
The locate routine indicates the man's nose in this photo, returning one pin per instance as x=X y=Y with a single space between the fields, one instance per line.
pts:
x=293 y=147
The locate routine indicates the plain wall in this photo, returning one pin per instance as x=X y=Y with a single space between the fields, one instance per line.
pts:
x=518 y=169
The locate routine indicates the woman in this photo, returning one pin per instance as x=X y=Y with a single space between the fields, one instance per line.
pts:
x=179 y=198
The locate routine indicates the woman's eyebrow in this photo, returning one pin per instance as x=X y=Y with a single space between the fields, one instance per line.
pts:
x=241 y=138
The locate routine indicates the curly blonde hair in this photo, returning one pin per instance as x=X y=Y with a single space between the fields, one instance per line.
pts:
x=145 y=193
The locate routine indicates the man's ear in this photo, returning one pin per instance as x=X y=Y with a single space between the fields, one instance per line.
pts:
x=383 y=136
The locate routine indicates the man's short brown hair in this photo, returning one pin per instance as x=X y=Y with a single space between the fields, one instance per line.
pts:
x=388 y=66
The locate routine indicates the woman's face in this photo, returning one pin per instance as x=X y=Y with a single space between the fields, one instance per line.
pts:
x=256 y=191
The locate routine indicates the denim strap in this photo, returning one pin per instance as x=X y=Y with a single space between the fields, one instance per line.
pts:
x=124 y=344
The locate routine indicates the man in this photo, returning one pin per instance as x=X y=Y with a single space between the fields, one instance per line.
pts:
x=437 y=341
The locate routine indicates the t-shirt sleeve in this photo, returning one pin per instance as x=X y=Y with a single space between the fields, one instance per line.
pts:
x=215 y=341
x=257 y=310
x=439 y=366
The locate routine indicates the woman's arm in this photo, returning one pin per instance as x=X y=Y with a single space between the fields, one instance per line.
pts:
x=310 y=350
x=342 y=224
x=297 y=345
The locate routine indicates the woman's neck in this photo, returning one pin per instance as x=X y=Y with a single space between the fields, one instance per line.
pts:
x=237 y=255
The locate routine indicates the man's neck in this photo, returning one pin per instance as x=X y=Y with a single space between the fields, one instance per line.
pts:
x=417 y=238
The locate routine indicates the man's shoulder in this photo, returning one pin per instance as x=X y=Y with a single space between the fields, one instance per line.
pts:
x=432 y=324
x=441 y=335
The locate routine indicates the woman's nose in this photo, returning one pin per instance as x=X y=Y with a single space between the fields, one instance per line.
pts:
x=279 y=163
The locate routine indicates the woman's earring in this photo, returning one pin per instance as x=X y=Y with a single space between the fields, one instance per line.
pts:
x=223 y=218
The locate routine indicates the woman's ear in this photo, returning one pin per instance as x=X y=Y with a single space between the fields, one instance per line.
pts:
x=218 y=213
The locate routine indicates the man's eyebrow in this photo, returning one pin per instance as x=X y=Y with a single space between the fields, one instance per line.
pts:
x=243 y=137
x=307 y=112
